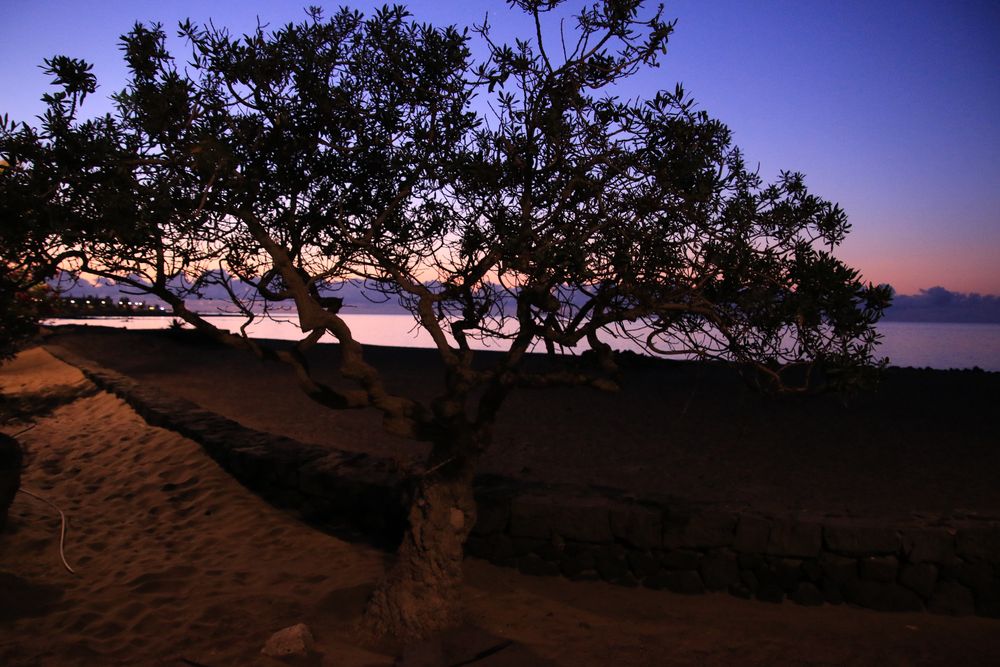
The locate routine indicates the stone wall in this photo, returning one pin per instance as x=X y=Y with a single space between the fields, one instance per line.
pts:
x=948 y=566
x=943 y=564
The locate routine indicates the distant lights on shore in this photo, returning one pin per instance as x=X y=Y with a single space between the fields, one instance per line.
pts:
x=92 y=302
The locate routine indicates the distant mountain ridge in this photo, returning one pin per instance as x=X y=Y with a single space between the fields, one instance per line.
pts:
x=214 y=298
x=936 y=304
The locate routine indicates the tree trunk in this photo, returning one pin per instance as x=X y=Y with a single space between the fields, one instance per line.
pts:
x=421 y=592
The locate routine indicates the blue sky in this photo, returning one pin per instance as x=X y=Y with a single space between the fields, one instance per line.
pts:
x=889 y=107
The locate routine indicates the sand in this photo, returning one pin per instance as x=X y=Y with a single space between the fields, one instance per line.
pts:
x=173 y=558
x=177 y=564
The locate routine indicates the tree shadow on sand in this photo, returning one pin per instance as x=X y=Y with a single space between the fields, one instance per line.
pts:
x=25 y=408
x=24 y=599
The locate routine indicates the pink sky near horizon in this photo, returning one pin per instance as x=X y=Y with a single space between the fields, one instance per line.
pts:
x=966 y=268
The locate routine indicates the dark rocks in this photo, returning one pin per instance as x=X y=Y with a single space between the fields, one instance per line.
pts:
x=741 y=591
x=833 y=592
x=477 y=547
x=988 y=600
x=882 y=596
x=551 y=551
x=11 y=460
x=497 y=549
x=748 y=581
x=536 y=566
x=951 y=598
x=719 y=569
x=977 y=575
x=293 y=642
x=860 y=539
x=611 y=564
x=919 y=578
x=643 y=563
x=542 y=516
x=949 y=569
x=751 y=534
x=775 y=579
x=522 y=546
x=812 y=571
x=353 y=486
x=838 y=569
x=492 y=512
x=701 y=530
x=928 y=544
x=628 y=580
x=788 y=572
x=769 y=590
x=807 y=594
x=879 y=568
x=578 y=562
x=686 y=582
x=681 y=559
x=978 y=542
x=751 y=561
x=315 y=476
x=637 y=525
x=791 y=537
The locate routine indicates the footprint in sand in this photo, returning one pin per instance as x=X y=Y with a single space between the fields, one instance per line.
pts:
x=107 y=630
x=83 y=621
x=173 y=486
x=157 y=582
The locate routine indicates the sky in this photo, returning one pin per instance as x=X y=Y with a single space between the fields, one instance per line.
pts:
x=889 y=107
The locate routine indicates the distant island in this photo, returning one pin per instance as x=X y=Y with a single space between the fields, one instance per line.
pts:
x=89 y=305
x=936 y=304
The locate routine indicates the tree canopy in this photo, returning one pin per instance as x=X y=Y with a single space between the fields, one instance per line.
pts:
x=515 y=199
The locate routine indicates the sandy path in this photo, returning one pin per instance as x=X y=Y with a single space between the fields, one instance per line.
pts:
x=176 y=560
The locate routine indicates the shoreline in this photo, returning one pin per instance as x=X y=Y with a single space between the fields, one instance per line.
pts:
x=990 y=363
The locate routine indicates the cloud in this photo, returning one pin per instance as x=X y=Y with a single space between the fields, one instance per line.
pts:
x=938 y=304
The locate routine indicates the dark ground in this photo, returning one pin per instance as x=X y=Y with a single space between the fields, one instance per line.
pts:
x=925 y=441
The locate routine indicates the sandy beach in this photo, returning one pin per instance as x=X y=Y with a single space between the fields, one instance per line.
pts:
x=178 y=564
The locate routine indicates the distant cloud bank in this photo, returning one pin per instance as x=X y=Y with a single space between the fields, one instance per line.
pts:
x=938 y=304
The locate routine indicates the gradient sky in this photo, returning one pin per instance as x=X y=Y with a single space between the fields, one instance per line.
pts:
x=890 y=108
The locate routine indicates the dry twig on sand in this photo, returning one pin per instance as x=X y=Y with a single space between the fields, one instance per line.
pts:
x=62 y=527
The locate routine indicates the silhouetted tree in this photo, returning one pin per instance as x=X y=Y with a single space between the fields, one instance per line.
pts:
x=29 y=253
x=559 y=216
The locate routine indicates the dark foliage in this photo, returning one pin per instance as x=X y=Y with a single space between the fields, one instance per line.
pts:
x=346 y=149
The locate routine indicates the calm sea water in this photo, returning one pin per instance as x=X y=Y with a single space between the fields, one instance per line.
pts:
x=933 y=344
